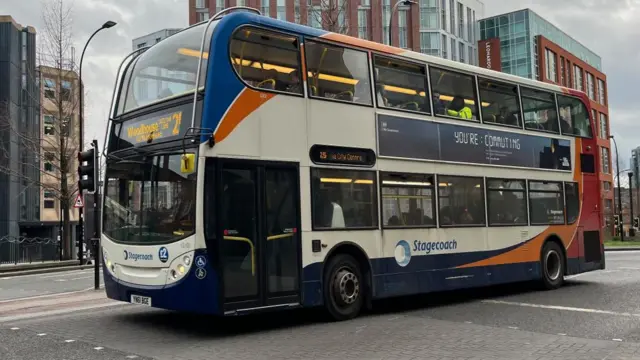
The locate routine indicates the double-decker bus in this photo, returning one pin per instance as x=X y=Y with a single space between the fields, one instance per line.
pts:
x=254 y=164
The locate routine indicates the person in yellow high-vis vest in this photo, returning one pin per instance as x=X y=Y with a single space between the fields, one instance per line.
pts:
x=459 y=109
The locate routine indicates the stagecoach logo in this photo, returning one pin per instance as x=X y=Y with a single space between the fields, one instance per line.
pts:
x=135 y=257
x=403 y=253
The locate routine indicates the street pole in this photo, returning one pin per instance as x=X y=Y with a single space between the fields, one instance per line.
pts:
x=96 y=223
x=395 y=7
x=106 y=25
x=621 y=227
x=631 y=229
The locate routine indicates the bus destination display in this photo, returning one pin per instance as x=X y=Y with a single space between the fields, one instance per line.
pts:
x=170 y=124
x=417 y=139
x=325 y=154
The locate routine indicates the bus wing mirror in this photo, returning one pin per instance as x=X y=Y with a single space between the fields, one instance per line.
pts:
x=187 y=164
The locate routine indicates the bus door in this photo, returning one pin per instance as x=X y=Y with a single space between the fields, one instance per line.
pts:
x=259 y=226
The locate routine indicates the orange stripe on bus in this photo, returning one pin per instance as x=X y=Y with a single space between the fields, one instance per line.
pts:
x=247 y=102
x=363 y=43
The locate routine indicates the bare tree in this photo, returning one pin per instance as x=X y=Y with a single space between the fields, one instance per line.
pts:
x=56 y=146
x=332 y=15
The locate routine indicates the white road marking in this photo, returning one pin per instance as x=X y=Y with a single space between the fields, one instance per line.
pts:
x=60 y=280
x=513 y=327
x=565 y=308
x=468 y=322
x=98 y=348
x=58 y=312
x=132 y=356
x=69 y=341
x=15 y=328
x=43 y=334
x=616 y=339
x=562 y=334
x=80 y=278
x=629 y=268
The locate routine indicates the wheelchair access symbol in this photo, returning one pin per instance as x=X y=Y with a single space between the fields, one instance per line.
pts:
x=201 y=261
x=201 y=273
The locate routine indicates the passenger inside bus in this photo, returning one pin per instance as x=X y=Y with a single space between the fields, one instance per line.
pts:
x=458 y=108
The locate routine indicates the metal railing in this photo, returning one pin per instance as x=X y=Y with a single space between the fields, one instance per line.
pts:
x=23 y=250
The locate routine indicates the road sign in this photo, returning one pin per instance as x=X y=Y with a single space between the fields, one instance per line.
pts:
x=79 y=203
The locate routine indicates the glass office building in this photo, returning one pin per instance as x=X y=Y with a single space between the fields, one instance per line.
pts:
x=518 y=49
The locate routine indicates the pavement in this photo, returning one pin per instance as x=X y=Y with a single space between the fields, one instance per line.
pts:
x=23 y=286
x=595 y=316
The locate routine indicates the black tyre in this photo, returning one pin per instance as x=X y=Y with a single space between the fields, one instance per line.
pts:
x=552 y=265
x=343 y=286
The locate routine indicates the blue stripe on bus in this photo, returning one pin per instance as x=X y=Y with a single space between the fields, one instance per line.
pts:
x=190 y=294
x=222 y=85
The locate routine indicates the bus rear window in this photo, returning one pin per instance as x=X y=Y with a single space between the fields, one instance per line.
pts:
x=574 y=117
x=167 y=69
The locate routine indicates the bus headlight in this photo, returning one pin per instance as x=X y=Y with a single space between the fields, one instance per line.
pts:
x=174 y=274
x=181 y=269
x=187 y=260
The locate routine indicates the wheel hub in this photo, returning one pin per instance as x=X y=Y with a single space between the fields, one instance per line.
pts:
x=552 y=265
x=346 y=287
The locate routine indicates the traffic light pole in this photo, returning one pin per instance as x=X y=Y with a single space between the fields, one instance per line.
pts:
x=96 y=219
x=631 y=229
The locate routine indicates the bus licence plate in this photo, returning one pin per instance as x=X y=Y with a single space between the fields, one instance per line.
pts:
x=141 y=300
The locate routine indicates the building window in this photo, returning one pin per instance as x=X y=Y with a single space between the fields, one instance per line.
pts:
x=551 y=65
x=443 y=16
x=203 y=15
x=220 y=5
x=562 y=78
x=428 y=15
x=199 y=4
x=452 y=19
x=407 y=200
x=241 y=3
x=591 y=90
x=604 y=133
x=49 y=89
x=158 y=40
x=48 y=194
x=265 y=7
x=572 y=201
x=605 y=160
x=577 y=78
x=454 y=49
x=363 y=31
x=402 y=28
x=48 y=161
x=386 y=12
x=504 y=96
x=65 y=90
x=461 y=51
x=454 y=94
x=444 y=46
x=399 y=84
x=314 y=17
x=461 y=201
x=601 y=92
x=429 y=43
x=49 y=204
x=506 y=202
x=606 y=185
x=470 y=26
x=344 y=199
x=472 y=59
x=49 y=122
x=546 y=203
x=461 y=31
x=66 y=126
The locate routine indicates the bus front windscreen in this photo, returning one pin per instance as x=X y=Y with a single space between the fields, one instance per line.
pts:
x=148 y=200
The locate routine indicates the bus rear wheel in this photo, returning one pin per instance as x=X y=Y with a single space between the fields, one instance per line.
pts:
x=552 y=263
x=343 y=287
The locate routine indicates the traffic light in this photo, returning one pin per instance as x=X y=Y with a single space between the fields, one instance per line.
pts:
x=88 y=170
x=616 y=221
x=636 y=222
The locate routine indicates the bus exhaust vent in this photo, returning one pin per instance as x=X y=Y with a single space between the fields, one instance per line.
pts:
x=592 y=247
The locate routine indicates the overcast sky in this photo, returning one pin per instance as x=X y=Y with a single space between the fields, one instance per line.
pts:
x=605 y=26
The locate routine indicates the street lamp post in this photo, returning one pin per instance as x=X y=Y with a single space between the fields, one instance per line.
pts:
x=106 y=25
x=395 y=7
x=619 y=188
x=631 y=229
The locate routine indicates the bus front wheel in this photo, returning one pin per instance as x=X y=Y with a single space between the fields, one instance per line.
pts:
x=343 y=287
x=552 y=263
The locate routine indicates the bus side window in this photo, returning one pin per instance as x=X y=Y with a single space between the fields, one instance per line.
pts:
x=402 y=85
x=500 y=102
x=267 y=60
x=539 y=109
x=337 y=73
x=454 y=94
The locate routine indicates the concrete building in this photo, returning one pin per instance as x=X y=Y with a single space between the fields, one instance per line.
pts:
x=153 y=38
x=19 y=114
x=524 y=44
x=445 y=28
x=58 y=85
